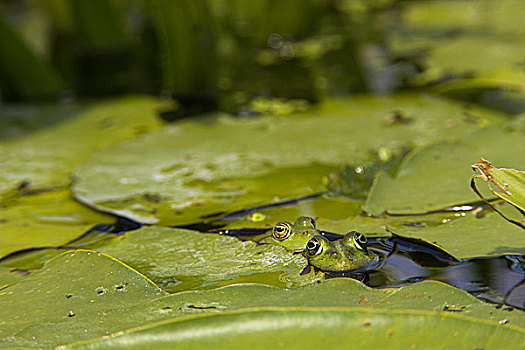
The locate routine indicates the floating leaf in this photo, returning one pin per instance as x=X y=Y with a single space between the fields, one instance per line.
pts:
x=334 y=328
x=45 y=219
x=429 y=298
x=193 y=169
x=179 y=259
x=17 y=120
x=472 y=236
x=508 y=184
x=467 y=17
x=75 y=285
x=437 y=177
x=481 y=41
x=323 y=207
x=44 y=160
x=9 y=276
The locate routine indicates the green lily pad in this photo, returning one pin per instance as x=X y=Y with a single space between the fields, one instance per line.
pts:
x=17 y=120
x=472 y=236
x=9 y=276
x=508 y=184
x=45 y=219
x=31 y=260
x=178 y=259
x=438 y=176
x=430 y=297
x=193 y=169
x=512 y=79
x=323 y=208
x=501 y=18
x=45 y=159
x=377 y=226
x=464 y=40
x=76 y=284
x=337 y=328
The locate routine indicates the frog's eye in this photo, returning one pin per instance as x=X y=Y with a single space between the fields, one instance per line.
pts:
x=305 y=222
x=282 y=230
x=360 y=241
x=312 y=221
x=314 y=247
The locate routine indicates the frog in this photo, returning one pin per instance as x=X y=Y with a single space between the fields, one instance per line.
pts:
x=348 y=254
x=293 y=237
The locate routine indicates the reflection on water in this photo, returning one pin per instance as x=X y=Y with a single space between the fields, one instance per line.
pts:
x=495 y=279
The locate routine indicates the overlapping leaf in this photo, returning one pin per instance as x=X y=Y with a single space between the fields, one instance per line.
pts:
x=438 y=176
x=45 y=159
x=75 y=285
x=45 y=219
x=477 y=45
x=85 y=296
x=472 y=236
x=197 y=168
x=338 y=328
x=508 y=184
x=181 y=259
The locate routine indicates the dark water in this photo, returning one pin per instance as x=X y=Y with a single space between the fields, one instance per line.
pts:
x=33 y=258
x=498 y=280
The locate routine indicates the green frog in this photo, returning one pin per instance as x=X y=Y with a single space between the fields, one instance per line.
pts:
x=293 y=237
x=349 y=253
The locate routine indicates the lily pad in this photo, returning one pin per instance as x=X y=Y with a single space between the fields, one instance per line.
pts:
x=76 y=284
x=337 y=328
x=501 y=18
x=510 y=79
x=322 y=207
x=377 y=226
x=45 y=159
x=464 y=40
x=193 y=169
x=438 y=176
x=45 y=219
x=178 y=259
x=508 y=184
x=472 y=236
x=430 y=297
x=9 y=276
x=17 y=120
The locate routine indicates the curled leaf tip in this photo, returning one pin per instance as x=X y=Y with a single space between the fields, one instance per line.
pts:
x=485 y=168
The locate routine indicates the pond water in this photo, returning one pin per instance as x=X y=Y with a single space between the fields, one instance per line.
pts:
x=364 y=115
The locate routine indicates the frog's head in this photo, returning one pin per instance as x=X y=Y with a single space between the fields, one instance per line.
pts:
x=355 y=242
x=346 y=254
x=293 y=237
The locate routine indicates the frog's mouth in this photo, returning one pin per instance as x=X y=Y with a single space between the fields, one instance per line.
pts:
x=373 y=264
x=377 y=262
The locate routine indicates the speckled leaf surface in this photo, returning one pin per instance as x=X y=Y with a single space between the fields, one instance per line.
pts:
x=438 y=176
x=75 y=285
x=45 y=159
x=338 y=328
x=197 y=168
x=45 y=219
x=9 y=276
x=429 y=297
x=179 y=259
